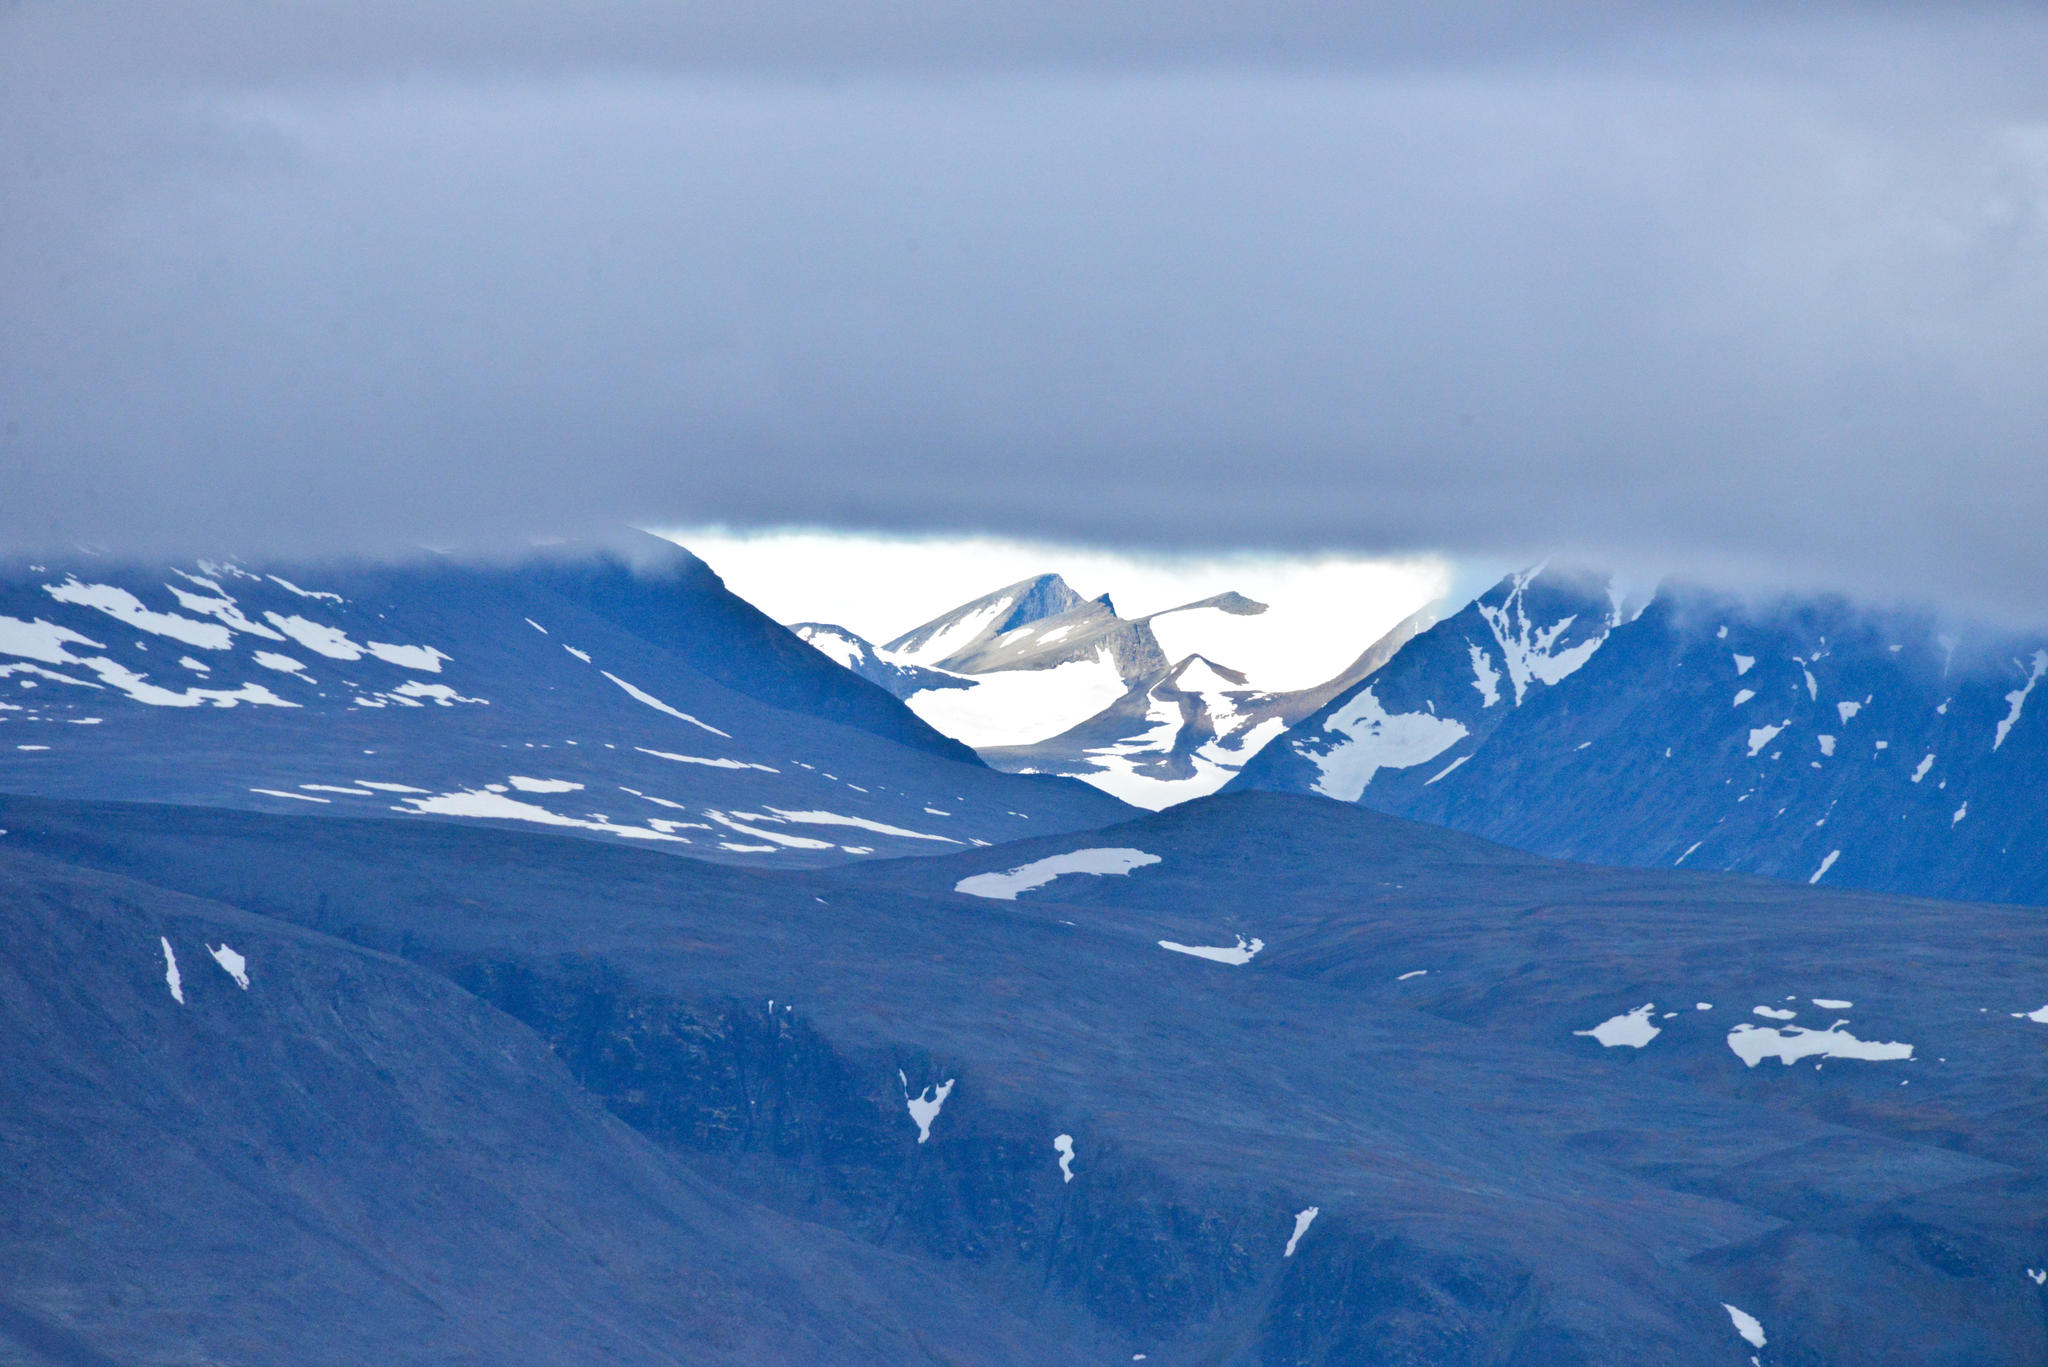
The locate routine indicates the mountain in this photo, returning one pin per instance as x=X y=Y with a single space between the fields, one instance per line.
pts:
x=1260 y=1079
x=618 y=692
x=1804 y=738
x=1042 y=681
x=1186 y=730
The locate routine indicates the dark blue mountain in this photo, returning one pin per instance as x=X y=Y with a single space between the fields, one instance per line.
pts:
x=1260 y=1079
x=625 y=694
x=1809 y=739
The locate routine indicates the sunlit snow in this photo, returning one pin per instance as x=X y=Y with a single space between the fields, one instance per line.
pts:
x=1021 y=706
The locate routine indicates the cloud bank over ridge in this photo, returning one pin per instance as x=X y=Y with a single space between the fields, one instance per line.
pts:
x=1736 y=293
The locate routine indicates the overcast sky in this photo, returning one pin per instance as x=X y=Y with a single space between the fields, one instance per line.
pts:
x=1762 y=291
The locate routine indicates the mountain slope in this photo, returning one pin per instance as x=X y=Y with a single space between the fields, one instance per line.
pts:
x=636 y=701
x=1282 y=1081
x=293 y=1151
x=1799 y=738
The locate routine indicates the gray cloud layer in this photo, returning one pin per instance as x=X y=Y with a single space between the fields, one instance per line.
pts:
x=1747 y=294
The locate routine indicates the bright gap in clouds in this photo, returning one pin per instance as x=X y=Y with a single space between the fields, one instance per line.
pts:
x=1323 y=610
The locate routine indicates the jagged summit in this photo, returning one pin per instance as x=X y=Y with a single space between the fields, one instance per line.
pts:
x=945 y=640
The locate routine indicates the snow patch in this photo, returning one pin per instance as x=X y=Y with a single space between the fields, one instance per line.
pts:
x=1743 y=664
x=543 y=785
x=658 y=705
x=496 y=806
x=1761 y=736
x=1377 y=740
x=1788 y=1044
x=2018 y=697
x=1237 y=955
x=233 y=964
x=290 y=587
x=858 y=823
x=1445 y=771
x=1005 y=886
x=924 y=1107
x=1825 y=865
x=171 y=977
x=126 y=608
x=1631 y=1028
x=1302 y=1220
x=1063 y=1145
x=1746 y=1325
x=699 y=759
x=1485 y=677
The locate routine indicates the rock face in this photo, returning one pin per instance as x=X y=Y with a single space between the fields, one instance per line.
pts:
x=1042 y=681
x=541 y=1096
x=1810 y=739
x=622 y=693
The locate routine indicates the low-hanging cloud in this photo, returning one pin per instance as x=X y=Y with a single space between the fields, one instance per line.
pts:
x=1740 y=295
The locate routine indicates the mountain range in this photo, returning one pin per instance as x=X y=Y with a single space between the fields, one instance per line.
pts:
x=1043 y=681
x=1806 y=738
x=621 y=691
x=442 y=962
